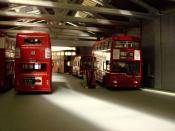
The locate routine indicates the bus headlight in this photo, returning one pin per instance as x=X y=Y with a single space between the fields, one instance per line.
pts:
x=136 y=82
x=115 y=82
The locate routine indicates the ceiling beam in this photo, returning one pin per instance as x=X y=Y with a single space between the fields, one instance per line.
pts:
x=63 y=18
x=66 y=38
x=73 y=38
x=59 y=35
x=62 y=5
x=150 y=8
x=20 y=31
x=38 y=25
x=71 y=43
x=56 y=32
x=168 y=11
x=171 y=0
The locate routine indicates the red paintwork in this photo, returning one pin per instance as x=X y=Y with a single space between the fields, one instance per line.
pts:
x=128 y=38
x=43 y=37
x=123 y=81
x=27 y=57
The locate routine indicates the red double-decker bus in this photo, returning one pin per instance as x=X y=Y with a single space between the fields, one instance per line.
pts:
x=119 y=62
x=33 y=62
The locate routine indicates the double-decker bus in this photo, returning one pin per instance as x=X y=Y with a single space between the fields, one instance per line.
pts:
x=118 y=61
x=7 y=51
x=33 y=62
x=88 y=66
x=76 y=67
x=80 y=63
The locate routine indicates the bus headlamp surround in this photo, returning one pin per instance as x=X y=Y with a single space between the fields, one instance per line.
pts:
x=115 y=82
x=136 y=82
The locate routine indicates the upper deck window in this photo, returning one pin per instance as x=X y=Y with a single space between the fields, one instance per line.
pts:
x=32 y=41
x=126 y=44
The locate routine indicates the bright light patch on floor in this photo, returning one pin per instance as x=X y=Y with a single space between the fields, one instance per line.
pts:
x=61 y=79
x=105 y=115
x=159 y=92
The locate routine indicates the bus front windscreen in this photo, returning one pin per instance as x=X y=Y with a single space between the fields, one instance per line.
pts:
x=129 y=68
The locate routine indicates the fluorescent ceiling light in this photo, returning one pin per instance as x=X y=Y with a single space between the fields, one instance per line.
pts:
x=72 y=24
x=59 y=48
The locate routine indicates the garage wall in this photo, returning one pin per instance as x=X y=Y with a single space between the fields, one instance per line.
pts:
x=134 y=32
x=83 y=51
x=168 y=51
x=151 y=53
x=71 y=43
x=158 y=52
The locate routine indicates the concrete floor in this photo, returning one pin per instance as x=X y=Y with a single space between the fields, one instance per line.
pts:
x=73 y=108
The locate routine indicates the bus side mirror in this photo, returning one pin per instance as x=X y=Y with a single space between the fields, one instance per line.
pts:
x=107 y=62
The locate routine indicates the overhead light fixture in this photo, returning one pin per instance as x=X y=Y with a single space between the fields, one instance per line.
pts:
x=91 y=32
x=72 y=24
x=60 y=48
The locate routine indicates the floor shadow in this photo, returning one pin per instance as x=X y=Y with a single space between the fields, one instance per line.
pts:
x=57 y=85
x=37 y=113
x=3 y=91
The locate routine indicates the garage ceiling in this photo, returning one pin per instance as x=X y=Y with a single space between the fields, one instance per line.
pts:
x=80 y=20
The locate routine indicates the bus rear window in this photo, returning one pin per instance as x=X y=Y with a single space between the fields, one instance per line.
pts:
x=33 y=67
x=32 y=41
